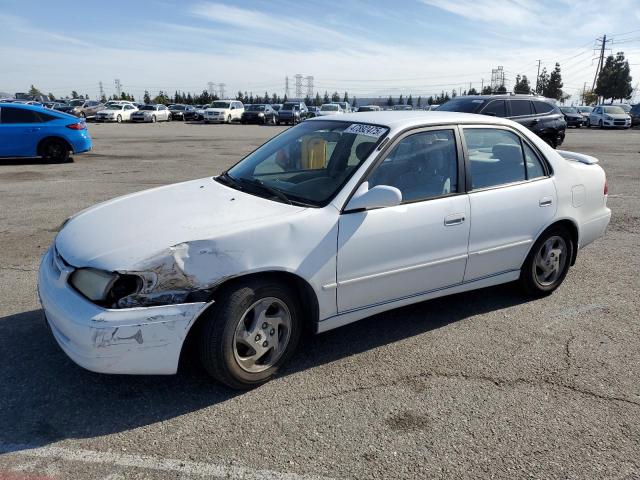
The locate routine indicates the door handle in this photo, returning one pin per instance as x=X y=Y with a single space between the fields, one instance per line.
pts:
x=546 y=202
x=454 y=219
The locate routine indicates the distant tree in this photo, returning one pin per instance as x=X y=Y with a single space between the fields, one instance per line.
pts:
x=501 y=89
x=614 y=80
x=410 y=100
x=553 y=87
x=326 y=98
x=346 y=97
x=589 y=97
x=317 y=101
x=285 y=99
x=446 y=97
x=400 y=100
x=307 y=100
x=251 y=99
x=390 y=101
x=472 y=91
x=454 y=94
x=74 y=94
x=34 y=91
x=487 y=90
x=419 y=102
x=543 y=80
x=239 y=96
x=522 y=85
x=266 y=97
x=354 y=102
x=51 y=96
x=335 y=97
x=430 y=100
x=146 y=98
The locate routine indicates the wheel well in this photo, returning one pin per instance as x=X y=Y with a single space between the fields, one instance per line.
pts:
x=306 y=294
x=573 y=231
x=46 y=139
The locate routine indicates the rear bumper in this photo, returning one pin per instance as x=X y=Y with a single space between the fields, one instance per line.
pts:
x=145 y=341
x=594 y=229
x=82 y=143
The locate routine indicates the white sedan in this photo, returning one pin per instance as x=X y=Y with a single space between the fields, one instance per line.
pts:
x=330 y=109
x=609 y=116
x=116 y=112
x=152 y=114
x=330 y=222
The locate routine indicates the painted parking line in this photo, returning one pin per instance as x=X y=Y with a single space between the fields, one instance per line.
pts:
x=149 y=462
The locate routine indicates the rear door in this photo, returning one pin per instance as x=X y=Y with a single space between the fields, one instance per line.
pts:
x=416 y=247
x=521 y=111
x=512 y=198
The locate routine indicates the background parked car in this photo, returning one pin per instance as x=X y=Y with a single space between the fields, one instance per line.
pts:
x=224 y=111
x=276 y=106
x=151 y=113
x=259 y=113
x=32 y=131
x=183 y=112
x=369 y=108
x=573 y=117
x=292 y=113
x=609 y=116
x=402 y=107
x=330 y=109
x=346 y=106
x=200 y=111
x=312 y=112
x=634 y=113
x=585 y=111
x=82 y=108
x=540 y=115
x=116 y=112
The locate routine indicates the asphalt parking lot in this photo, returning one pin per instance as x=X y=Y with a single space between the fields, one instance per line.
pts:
x=486 y=384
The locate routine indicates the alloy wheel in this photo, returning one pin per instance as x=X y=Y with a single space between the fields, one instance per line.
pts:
x=550 y=260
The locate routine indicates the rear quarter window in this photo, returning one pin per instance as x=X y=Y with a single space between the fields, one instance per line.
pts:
x=542 y=107
x=520 y=108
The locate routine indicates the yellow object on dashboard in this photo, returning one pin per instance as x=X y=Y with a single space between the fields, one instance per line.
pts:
x=314 y=153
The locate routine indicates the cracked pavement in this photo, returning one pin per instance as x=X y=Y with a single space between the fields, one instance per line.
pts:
x=486 y=384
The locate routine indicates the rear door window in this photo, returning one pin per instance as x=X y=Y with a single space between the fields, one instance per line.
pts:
x=520 y=108
x=495 y=108
x=10 y=115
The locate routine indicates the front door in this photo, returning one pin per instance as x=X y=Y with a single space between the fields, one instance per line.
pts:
x=391 y=253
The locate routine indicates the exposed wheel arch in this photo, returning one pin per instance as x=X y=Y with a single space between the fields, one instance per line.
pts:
x=571 y=227
x=52 y=137
x=308 y=301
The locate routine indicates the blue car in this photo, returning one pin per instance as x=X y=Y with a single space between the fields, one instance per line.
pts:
x=32 y=131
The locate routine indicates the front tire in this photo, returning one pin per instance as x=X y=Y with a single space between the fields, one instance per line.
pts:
x=600 y=124
x=119 y=119
x=250 y=333
x=153 y=119
x=548 y=262
x=229 y=119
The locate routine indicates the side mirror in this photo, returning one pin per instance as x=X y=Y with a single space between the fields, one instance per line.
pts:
x=378 y=197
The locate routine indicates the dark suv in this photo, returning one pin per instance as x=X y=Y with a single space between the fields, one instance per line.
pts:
x=538 y=114
x=292 y=112
x=635 y=115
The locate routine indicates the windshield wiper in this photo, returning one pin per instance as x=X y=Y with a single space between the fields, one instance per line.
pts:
x=242 y=183
x=273 y=191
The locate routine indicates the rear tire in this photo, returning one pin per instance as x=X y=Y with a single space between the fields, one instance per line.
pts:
x=600 y=124
x=229 y=119
x=250 y=333
x=54 y=150
x=551 y=141
x=548 y=262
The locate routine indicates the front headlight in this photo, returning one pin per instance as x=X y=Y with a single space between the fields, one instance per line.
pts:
x=100 y=286
x=261 y=114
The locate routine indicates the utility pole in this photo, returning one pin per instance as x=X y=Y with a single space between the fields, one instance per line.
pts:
x=101 y=91
x=538 y=76
x=211 y=89
x=286 y=87
x=118 y=87
x=584 y=93
x=600 y=61
x=481 y=85
x=221 y=88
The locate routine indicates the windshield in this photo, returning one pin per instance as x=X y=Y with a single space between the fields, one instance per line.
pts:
x=306 y=164
x=276 y=107
x=468 y=105
x=76 y=103
x=569 y=110
x=114 y=106
x=256 y=108
x=177 y=107
x=585 y=109
x=613 y=110
x=147 y=107
x=220 y=105
x=329 y=108
x=289 y=106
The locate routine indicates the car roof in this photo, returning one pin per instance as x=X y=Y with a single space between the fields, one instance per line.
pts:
x=401 y=119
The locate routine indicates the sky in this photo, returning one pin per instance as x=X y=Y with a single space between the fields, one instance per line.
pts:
x=367 y=48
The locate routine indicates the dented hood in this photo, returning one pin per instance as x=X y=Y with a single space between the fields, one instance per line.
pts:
x=122 y=233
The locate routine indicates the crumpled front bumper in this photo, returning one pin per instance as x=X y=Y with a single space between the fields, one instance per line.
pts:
x=144 y=340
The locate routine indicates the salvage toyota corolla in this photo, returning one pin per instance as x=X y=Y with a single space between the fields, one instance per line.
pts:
x=329 y=222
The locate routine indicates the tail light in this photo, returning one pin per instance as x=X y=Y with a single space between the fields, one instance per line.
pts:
x=606 y=186
x=77 y=126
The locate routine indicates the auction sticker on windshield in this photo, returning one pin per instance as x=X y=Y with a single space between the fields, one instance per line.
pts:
x=368 y=130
